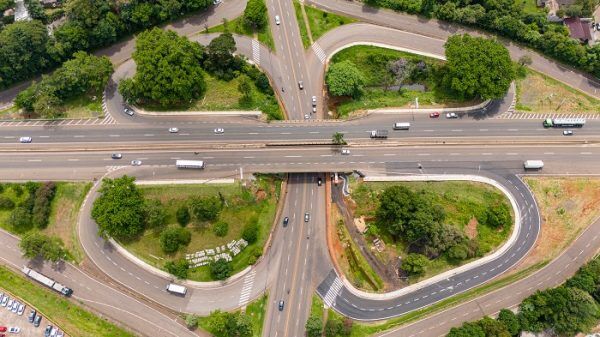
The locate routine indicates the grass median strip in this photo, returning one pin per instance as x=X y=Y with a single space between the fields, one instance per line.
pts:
x=71 y=318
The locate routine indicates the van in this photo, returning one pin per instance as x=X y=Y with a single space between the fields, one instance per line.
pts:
x=176 y=289
x=401 y=126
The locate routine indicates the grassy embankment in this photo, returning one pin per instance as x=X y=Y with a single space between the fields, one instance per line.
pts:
x=538 y=93
x=463 y=203
x=63 y=216
x=74 y=320
x=373 y=62
x=243 y=206
x=319 y=22
x=84 y=106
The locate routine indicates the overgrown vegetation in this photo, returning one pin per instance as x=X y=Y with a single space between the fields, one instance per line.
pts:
x=188 y=220
x=225 y=324
x=566 y=310
x=507 y=18
x=320 y=22
x=386 y=78
x=333 y=326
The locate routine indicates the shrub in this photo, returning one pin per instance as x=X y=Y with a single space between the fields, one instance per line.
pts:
x=254 y=255
x=220 y=269
x=458 y=252
x=35 y=244
x=178 y=268
x=20 y=219
x=221 y=228
x=6 y=203
x=17 y=189
x=155 y=213
x=414 y=264
x=250 y=233
x=42 y=204
x=174 y=237
x=314 y=326
x=183 y=216
x=191 y=321
x=206 y=209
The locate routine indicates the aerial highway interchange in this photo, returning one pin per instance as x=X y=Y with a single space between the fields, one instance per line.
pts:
x=297 y=262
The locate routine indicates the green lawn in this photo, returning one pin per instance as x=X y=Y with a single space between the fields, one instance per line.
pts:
x=243 y=207
x=83 y=106
x=63 y=217
x=373 y=62
x=236 y=26
x=74 y=320
x=530 y=7
x=320 y=22
x=462 y=202
x=224 y=95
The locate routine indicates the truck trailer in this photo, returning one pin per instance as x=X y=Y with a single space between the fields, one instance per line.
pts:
x=382 y=134
x=48 y=282
x=564 y=122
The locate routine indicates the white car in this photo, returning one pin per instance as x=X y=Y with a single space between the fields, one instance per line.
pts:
x=136 y=162
x=345 y=152
x=9 y=304
x=314 y=100
x=314 y=109
x=306 y=116
x=128 y=111
x=14 y=329
x=21 y=309
x=568 y=133
x=25 y=139
x=277 y=20
x=15 y=306
x=173 y=130
x=451 y=115
x=219 y=131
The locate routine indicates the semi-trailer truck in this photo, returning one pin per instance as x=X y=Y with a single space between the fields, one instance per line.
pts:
x=564 y=122
x=48 y=282
x=382 y=134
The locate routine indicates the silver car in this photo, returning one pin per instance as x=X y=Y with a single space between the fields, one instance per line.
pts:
x=136 y=162
x=9 y=304
x=345 y=152
x=219 y=131
x=15 y=306
x=21 y=309
x=4 y=301
x=173 y=130
x=25 y=140
x=277 y=20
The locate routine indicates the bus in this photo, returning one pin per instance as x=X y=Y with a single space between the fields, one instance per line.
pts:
x=189 y=164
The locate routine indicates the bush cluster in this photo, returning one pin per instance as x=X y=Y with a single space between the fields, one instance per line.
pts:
x=174 y=237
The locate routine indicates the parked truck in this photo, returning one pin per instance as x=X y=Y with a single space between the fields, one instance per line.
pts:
x=48 y=282
x=564 y=122
x=533 y=165
x=382 y=134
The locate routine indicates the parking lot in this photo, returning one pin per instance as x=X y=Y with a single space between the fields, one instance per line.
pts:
x=13 y=319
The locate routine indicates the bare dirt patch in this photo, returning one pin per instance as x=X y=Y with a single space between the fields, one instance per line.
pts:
x=471 y=228
x=567 y=206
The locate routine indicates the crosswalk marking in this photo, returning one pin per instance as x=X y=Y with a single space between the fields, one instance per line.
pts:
x=319 y=52
x=333 y=292
x=247 y=288
x=113 y=168
x=256 y=52
x=61 y=122
x=524 y=115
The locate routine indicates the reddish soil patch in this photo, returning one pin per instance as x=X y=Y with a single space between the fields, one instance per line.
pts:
x=471 y=228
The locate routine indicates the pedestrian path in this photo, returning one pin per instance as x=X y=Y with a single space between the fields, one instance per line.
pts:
x=333 y=292
x=256 y=52
x=247 y=288
x=526 y=115
x=319 y=52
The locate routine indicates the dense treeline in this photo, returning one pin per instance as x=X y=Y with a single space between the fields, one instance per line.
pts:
x=34 y=211
x=507 y=18
x=83 y=74
x=566 y=310
x=26 y=49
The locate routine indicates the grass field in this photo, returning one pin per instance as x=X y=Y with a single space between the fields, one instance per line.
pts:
x=537 y=93
x=224 y=95
x=236 y=26
x=463 y=203
x=372 y=62
x=74 y=320
x=243 y=207
x=320 y=22
x=84 y=106
x=63 y=217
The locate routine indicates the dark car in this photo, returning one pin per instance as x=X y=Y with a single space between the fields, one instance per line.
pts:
x=48 y=330
x=37 y=320
x=281 y=304
x=116 y=156
x=31 y=316
x=319 y=181
x=306 y=217
x=286 y=220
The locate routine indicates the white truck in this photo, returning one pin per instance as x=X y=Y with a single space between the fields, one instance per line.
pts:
x=189 y=164
x=564 y=122
x=533 y=165
x=401 y=126
x=381 y=134
x=48 y=282
x=176 y=289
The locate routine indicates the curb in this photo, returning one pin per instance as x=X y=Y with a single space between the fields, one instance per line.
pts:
x=250 y=113
x=386 y=111
x=450 y=177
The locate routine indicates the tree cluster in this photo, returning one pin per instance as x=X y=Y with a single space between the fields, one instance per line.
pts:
x=178 y=268
x=226 y=324
x=206 y=208
x=566 y=310
x=344 y=79
x=34 y=211
x=334 y=327
x=220 y=269
x=507 y=18
x=83 y=74
x=26 y=49
x=411 y=217
x=255 y=14
x=37 y=245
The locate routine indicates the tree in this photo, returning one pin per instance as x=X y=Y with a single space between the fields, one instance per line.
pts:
x=119 y=211
x=510 y=321
x=333 y=327
x=414 y=264
x=37 y=245
x=220 y=60
x=174 y=237
x=314 y=326
x=401 y=69
x=183 y=215
x=35 y=9
x=250 y=233
x=498 y=216
x=221 y=228
x=178 y=268
x=493 y=328
x=338 y=139
x=42 y=205
x=155 y=213
x=168 y=70
x=477 y=67
x=206 y=209
x=255 y=14
x=6 y=203
x=245 y=88
x=344 y=79
x=220 y=269
x=20 y=219
x=468 y=329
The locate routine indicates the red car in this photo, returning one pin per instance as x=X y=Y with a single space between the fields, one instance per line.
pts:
x=434 y=115
x=3 y=329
